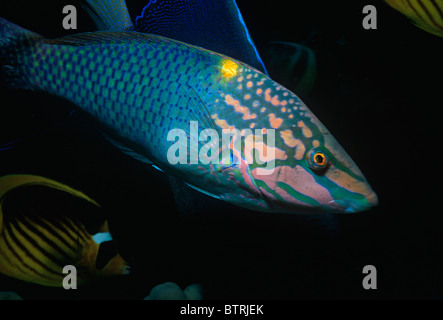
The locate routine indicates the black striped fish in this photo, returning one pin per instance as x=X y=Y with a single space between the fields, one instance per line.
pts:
x=36 y=243
x=425 y=14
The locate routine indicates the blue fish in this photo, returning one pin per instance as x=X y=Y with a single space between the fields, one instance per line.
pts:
x=141 y=87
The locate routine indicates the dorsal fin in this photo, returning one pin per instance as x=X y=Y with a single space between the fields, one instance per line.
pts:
x=108 y=15
x=104 y=37
x=211 y=24
x=12 y=181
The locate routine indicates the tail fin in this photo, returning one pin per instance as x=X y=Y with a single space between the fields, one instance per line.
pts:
x=109 y=15
x=13 y=40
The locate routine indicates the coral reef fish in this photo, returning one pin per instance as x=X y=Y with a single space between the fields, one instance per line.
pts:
x=141 y=87
x=425 y=14
x=36 y=243
x=200 y=23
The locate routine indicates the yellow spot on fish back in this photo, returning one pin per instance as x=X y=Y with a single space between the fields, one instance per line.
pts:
x=249 y=84
x=240 y=86
x=291 y=116
x=305 y=130
x=239 y=108
x=229 y=68
x=263 y=109
x=249 y=76
x=283 y=103
x=252 y=125
x=259 y=91
x=283 y=109
x=247 y=96
x=275 y=122
x=259 y=83
x=240 y=79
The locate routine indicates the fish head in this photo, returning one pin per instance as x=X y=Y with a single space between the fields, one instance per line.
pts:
x=285 y=158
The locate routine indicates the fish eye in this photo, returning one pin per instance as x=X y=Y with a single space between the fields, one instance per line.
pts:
x=318 y=160
x=229 y=68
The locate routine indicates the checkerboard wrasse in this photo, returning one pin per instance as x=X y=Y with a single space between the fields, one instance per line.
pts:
x=141 y=86
x=41 y=233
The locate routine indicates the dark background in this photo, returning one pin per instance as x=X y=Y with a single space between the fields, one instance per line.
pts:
x=378 y=92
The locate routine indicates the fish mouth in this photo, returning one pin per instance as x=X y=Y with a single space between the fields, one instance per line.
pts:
x=368 y=202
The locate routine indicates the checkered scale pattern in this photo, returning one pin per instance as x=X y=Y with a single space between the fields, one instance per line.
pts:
x=133 y=83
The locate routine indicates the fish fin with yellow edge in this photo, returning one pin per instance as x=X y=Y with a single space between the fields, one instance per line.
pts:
x=12 y=181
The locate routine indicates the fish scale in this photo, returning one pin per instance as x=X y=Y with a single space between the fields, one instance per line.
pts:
x=115 y=88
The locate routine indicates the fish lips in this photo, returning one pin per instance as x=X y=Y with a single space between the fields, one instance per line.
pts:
x=368 y=202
